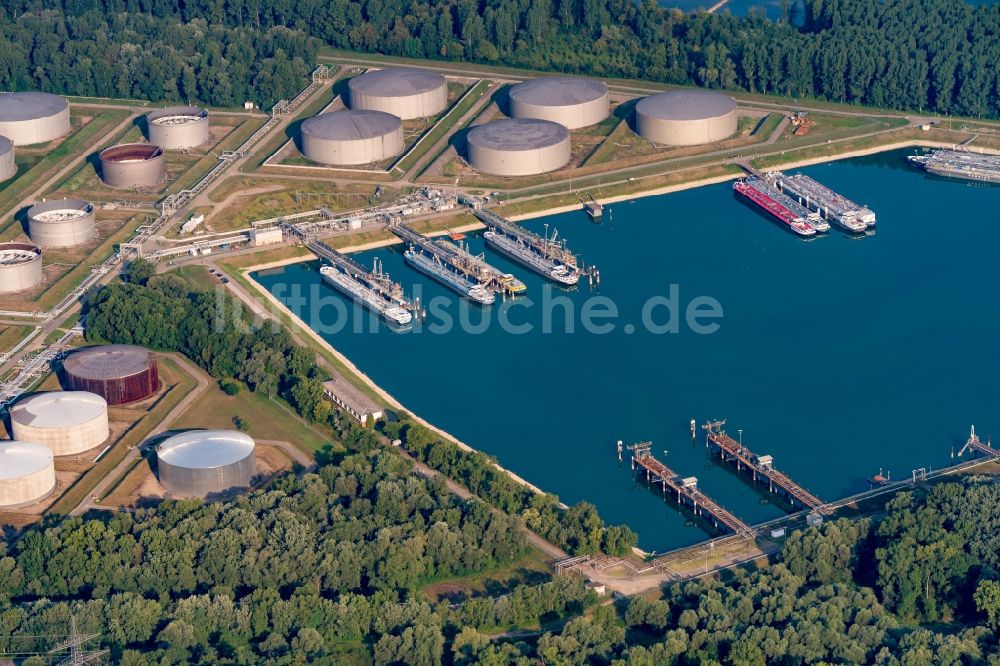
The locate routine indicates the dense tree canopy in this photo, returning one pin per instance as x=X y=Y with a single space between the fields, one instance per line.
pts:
x=930 y=55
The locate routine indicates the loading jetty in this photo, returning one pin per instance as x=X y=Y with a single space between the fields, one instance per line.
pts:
x=686 y=491
x=760 y=467
x=799 y=219
x=829 y=205
x=372 y=289
x=443 y=264
x=545 y=255
x=960 y=164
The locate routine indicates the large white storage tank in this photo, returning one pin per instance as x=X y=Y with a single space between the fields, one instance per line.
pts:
x=202 y=463
x=686 y=117
x=67 y=422
x=27 y=118
x=61 y=222
x=27 y=473
x=571 y=101
x=8 y=165
x=405 y=92
x=518 y=147
x=177 y=127
x=351 y=138
x=20 y=267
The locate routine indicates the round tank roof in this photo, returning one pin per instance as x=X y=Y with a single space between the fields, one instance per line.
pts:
x=352 y=125
x=518 y=134
x=558 y=91
x=396 y=82
x=108 y=361
x=177 y=115
x=686 y=105
x=19 y=459
x=18 y=253
x=205 y=449
x=29 y=105
x=131 y=152
x=56 y=409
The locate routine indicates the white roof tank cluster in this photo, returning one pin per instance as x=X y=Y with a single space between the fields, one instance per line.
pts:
x=177 y=127
x=686 y=117
x=67 y=422
x=535 y=139
x=518 y=147
x=61 y=222
x=371 y=130
x=27 y=473
x=202 y=463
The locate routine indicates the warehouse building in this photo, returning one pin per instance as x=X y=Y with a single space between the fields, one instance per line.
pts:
x=177 y=127
x=350 y=399
x=686 y=117
x=201 y=463
x=404 y=92
x=8 y=165
x=27 y=118
x=67 y=422
x=132 y=165
x=27 y=473
x=61 y=222
x=571 y=101
x=20 y=267
x=118 y=373
x=351 y=138
x=518 y=147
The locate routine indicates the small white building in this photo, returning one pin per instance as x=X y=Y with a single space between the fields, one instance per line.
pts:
x=268 y=236
x=347 y=396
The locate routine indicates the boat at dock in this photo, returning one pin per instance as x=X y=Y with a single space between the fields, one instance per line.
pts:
x=766 y=197
x=960 y=164
x=487 y=273
x=365 y=296
x=432 y=266
x=826 y=204
x=516 y=250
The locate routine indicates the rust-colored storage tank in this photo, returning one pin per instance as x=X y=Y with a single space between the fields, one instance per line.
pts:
x=117 y=373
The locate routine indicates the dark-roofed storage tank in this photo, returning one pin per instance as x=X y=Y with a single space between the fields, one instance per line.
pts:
x=117 y=373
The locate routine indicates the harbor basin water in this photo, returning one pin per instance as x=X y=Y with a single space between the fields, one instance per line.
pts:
x=838 y=356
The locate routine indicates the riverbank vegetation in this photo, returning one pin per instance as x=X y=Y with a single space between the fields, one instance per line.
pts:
x=926 y=55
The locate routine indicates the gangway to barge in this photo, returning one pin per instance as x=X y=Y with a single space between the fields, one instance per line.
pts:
x=829 y=204
x=978 y=446
x=460 y=260
x=760 y=467
x=686 y=490
x=376 y=279
x=550 y=248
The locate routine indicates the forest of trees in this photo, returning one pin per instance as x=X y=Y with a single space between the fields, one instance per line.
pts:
x=327 y=568
x=139 y=56
x=928 y=55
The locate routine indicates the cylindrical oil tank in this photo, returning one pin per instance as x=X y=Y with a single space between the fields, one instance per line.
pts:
x=346 y=138
x=61 y=222
x=405 y=92
x=202 y=463
x=518 y=147
x=27 y=118
x=8 y=166
x=177 y=127
x=20 y=266
x=568 y=100
x=133 y=165
x=67 y=422
x=27 y=473
x=686 y=117
x=117 y=373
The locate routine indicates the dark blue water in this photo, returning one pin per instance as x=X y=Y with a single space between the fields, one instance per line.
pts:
x=837 y=356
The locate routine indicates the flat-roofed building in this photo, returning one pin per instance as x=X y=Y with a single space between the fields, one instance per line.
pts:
x=350 y=399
